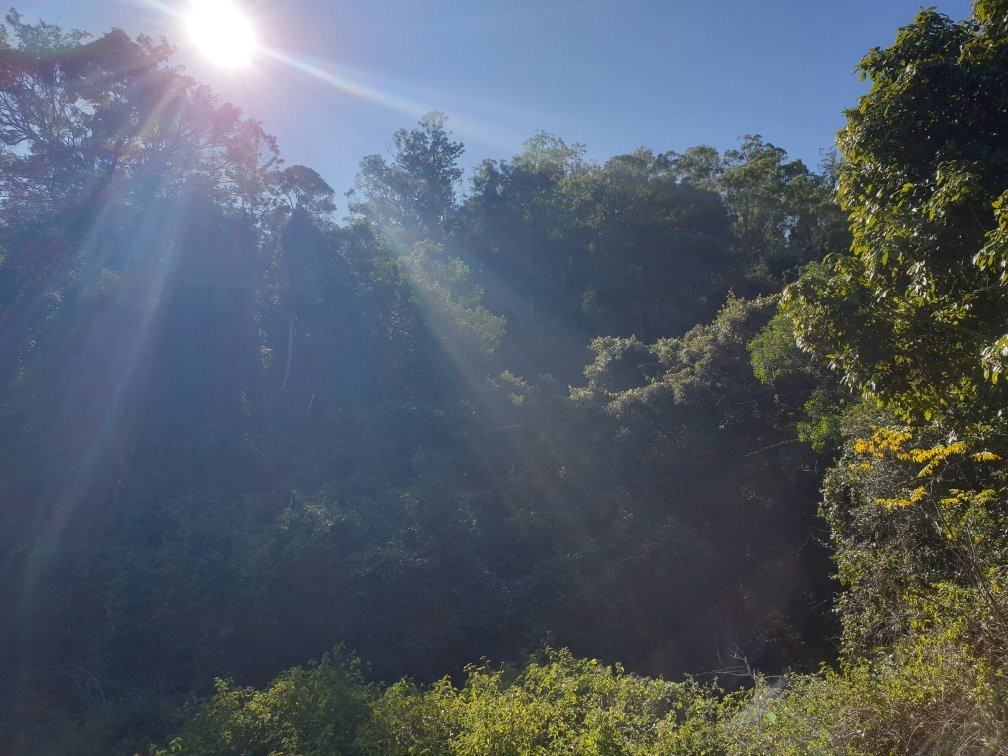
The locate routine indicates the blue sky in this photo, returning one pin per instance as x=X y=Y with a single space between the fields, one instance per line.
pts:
x=614 y=75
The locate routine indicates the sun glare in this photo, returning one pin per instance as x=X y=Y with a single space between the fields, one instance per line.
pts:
x=221 y=31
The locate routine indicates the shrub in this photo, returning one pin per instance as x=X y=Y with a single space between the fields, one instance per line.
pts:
x=558 y=705
x=304 y=711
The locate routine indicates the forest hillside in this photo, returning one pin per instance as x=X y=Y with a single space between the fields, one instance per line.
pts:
x=678 y=452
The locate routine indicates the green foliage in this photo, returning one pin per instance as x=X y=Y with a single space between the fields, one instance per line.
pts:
x=443 y=286
x=560 y=704
x=309 y=711
x=693 y=435
x=236 y=433
x=773 y=349
x=645 y=244
x=778 y=362
x=935 y=690
x=913 y=314
x=909 y=510
x=911 y=318
x=411 y=198
x=783 y=214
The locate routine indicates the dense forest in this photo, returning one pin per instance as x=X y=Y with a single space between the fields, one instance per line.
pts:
x=682 y=452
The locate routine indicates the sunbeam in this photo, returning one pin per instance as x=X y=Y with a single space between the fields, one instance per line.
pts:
x=344 y=82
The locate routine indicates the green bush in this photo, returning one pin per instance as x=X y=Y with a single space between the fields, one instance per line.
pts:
x=304 y=711
x=942 y=689
x=558 y=705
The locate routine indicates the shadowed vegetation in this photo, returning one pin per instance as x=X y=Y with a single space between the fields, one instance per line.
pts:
x=732 y=421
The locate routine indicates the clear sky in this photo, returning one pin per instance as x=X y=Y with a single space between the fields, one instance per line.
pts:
x=666 y=74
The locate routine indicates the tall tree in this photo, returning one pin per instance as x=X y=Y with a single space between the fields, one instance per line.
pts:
x=412 y=196
x=912 y=318
x=914 y=313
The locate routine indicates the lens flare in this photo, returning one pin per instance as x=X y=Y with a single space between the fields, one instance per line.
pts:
x=222 y=32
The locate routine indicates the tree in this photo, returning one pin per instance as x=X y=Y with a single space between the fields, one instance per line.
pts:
x=913 y=314
x=912 y=319
x=75 y=114
x=411 y=197
x=298 y=187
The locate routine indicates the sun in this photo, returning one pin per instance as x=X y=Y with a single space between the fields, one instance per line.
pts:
x=221 y=31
